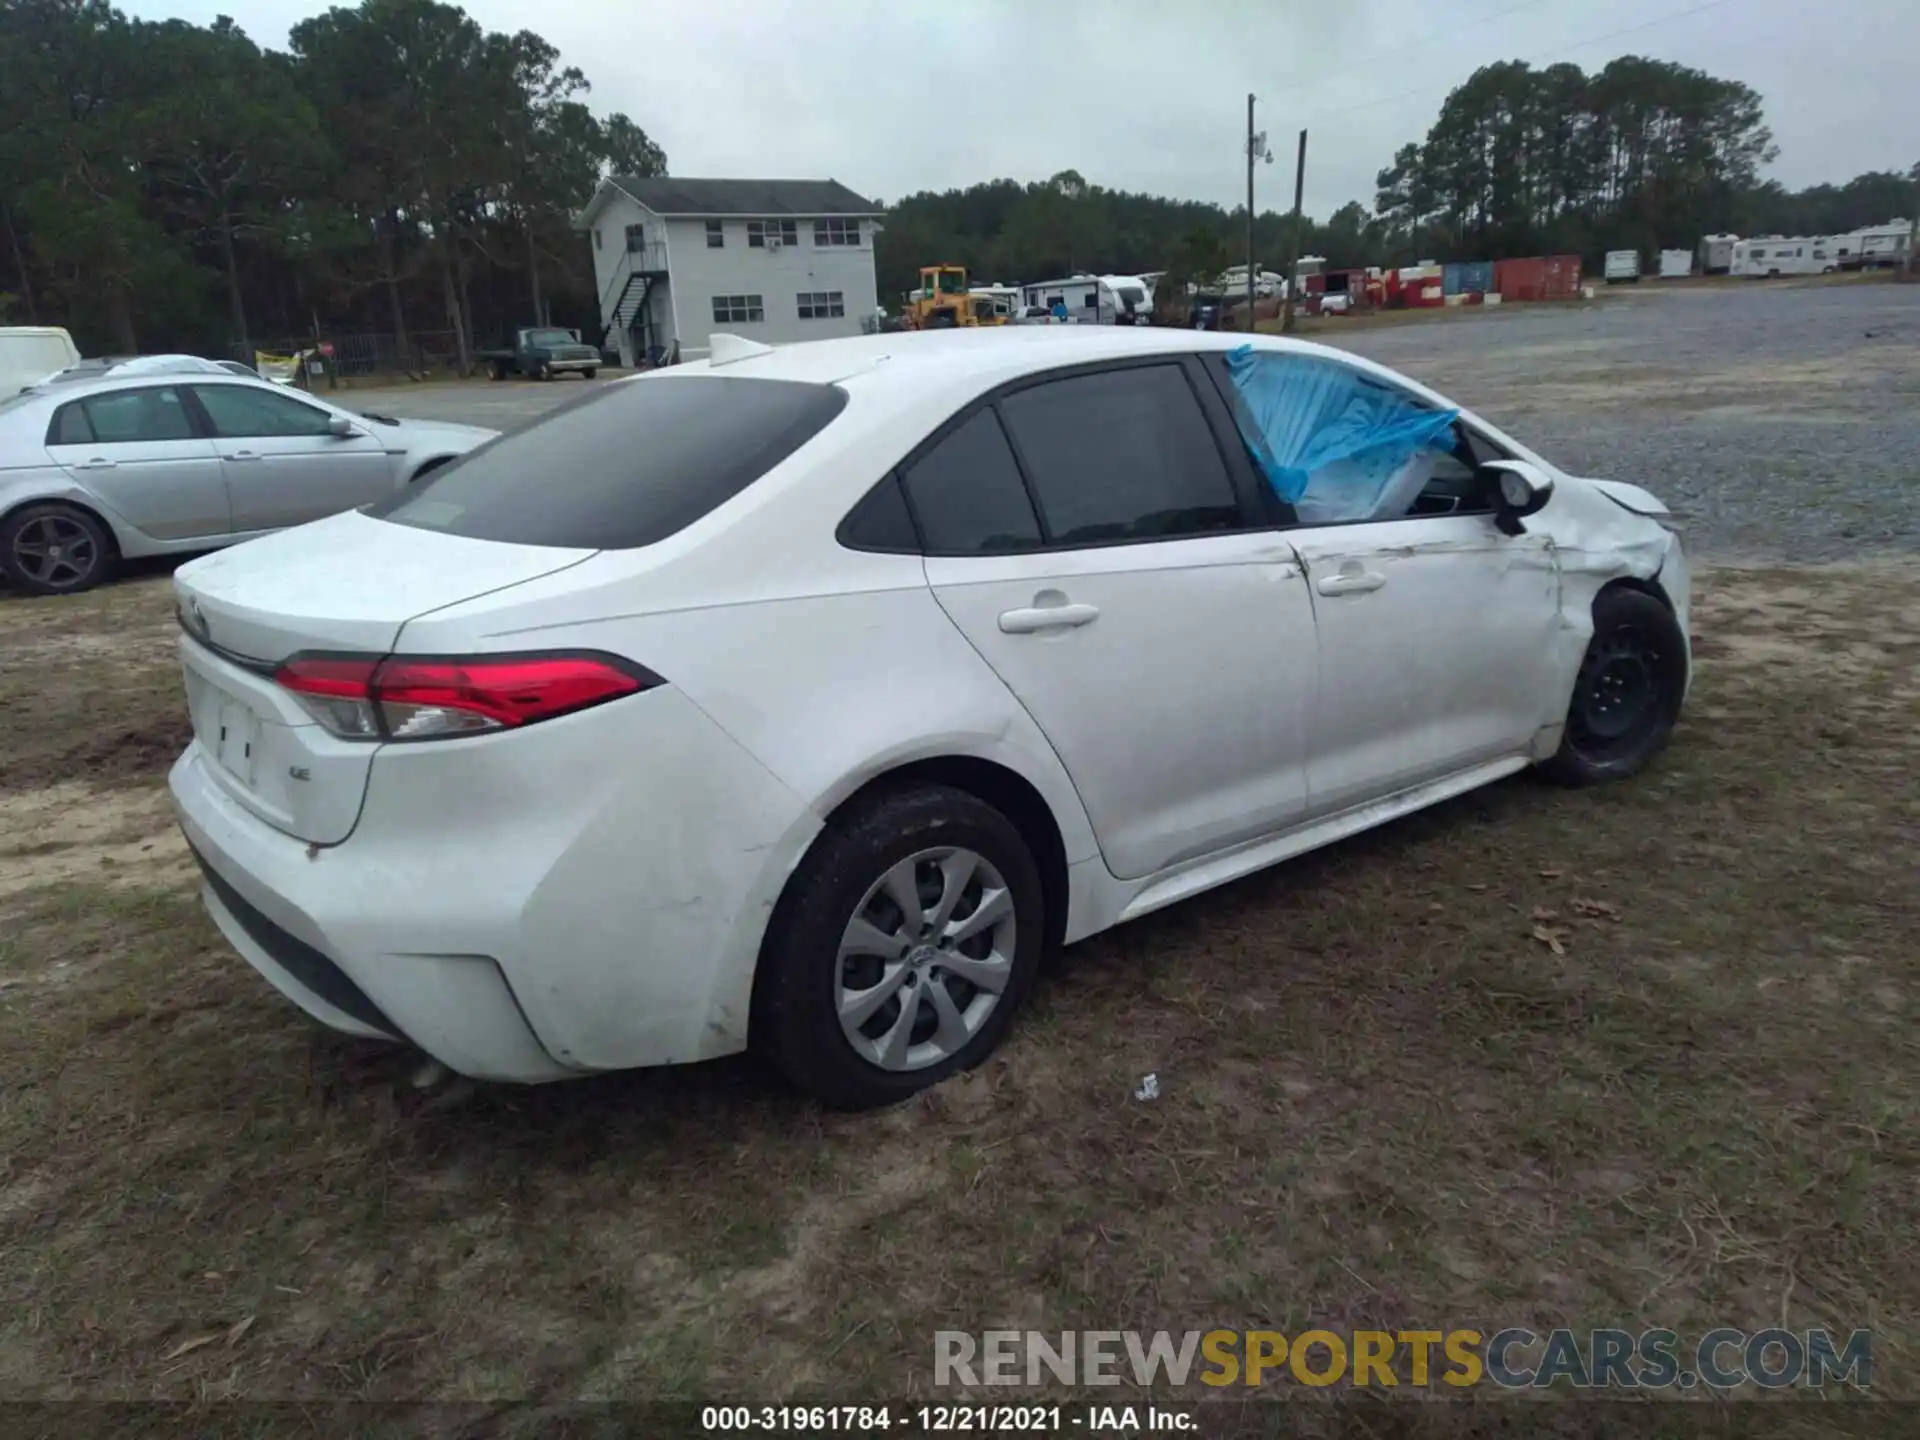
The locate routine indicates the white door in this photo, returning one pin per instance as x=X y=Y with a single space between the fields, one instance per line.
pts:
x=283 y=464
x=1114 y=576
x=1437 y=636
x=139 y=451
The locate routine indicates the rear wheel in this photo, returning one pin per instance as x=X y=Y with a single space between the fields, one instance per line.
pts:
x=1628 y=693
x=496 y=371
x=545 y=372
x=56 y=549
x=901 y=949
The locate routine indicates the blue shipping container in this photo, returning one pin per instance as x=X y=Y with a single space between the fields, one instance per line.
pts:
x=1465 y=276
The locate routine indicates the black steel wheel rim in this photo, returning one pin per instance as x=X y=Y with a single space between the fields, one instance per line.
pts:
x=1619 y=696
x=55 y=550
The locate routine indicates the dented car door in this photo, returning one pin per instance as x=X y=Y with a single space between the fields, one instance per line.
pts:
x=1436 y=650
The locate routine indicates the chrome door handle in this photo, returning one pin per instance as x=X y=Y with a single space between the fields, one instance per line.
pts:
x=1047 y=617
x=97 y=463
x=241 y=455
x=1350 y=582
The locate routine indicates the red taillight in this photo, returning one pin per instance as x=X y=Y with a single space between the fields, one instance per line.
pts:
x=432 y=697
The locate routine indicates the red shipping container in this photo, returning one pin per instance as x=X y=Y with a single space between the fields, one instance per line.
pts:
x=1555 y=277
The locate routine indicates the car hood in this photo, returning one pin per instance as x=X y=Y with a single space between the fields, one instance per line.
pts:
x=466 y=436
x=1631 y=497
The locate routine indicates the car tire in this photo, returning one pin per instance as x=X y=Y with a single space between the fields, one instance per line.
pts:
x=496 y=371
x=811 y=962
x=545 y=372
x=588 y=373
x=83 y=553
x=1627 y=695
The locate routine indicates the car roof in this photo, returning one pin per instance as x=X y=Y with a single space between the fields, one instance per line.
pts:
x=965 y=362
x=76 y=387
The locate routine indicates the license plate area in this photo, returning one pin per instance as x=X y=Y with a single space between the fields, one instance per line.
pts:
x=226 y=727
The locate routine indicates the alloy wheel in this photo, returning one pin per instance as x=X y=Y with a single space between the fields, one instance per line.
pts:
x=925 y=958
x=56 y=551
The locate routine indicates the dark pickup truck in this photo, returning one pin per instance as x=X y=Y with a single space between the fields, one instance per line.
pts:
x=543 y=352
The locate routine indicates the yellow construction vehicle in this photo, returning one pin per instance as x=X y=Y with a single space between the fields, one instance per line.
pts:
x=942 y=302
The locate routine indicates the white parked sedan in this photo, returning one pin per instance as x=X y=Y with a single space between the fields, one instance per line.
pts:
x=798 y=698
x=170 y=454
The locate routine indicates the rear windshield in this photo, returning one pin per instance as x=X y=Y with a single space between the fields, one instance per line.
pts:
x=622 y=467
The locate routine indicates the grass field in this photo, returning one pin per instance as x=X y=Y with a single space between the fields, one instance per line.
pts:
x=1636 y=1056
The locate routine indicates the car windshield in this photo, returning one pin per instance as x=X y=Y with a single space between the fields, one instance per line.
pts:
x=551 y=337
x=622 y=467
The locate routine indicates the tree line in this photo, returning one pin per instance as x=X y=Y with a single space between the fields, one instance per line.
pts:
x=401 y=170
x=1641 y=154
x=398 y=169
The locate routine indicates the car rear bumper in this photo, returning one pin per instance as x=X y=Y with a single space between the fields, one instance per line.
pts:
x=512 y=911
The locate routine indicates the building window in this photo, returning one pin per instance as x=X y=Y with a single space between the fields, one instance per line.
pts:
x=636 y=239
x=716 y=235
x=779 y=232
x=735 y=309
x=836 y=232
x=822 y=304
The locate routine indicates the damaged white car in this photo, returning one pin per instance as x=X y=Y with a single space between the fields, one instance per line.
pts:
x=884 y=664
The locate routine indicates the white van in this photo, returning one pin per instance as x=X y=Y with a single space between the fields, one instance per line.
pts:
x=32 y=352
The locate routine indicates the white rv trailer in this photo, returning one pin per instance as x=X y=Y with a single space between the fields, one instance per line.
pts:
x=1770 y=255
x=1873 y=246
x=1716 y=253
x=1096 y=299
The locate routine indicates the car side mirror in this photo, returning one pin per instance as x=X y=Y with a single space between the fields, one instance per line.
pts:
x=1520 y=489
x=341 y=428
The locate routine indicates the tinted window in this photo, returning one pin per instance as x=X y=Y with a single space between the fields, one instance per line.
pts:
x=240 y=410
x=129 y=416
x=70 y=426
x=881 y=521
x=968 y=495
x=1123 y=455
x=622 y=467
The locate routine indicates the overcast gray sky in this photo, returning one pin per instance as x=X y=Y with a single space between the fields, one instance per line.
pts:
x=892 y=96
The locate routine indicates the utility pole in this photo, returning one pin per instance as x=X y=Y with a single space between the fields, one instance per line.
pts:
x=1293 y=244
x=1256 y=149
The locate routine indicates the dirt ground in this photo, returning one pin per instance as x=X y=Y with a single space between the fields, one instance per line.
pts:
x=1637 y=1056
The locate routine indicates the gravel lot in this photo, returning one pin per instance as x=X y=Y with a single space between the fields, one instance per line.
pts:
x=1782 y=422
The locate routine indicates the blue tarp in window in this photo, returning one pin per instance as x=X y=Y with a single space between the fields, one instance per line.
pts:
x=1335 y=444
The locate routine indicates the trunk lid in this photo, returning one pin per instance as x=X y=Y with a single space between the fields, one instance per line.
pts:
x=349 y=583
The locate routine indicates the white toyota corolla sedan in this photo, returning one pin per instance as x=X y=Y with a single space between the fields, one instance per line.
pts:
x=800 y=698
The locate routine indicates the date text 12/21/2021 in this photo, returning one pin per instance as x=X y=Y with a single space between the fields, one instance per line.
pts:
x=947 y=1419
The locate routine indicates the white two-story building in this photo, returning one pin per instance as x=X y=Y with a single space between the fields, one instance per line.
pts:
x=773 y=260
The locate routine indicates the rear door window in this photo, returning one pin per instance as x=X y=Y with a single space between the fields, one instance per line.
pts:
x=623 y=467
x=123 y=417
x=1120 y=456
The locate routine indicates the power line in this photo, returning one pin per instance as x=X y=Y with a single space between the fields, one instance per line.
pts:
x=1526 y=60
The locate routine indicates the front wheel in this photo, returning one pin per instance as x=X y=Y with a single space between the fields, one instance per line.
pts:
x=901 y=949
x=545 y=372
x=589 y=372
x=56 y=549
x=1627 y=695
